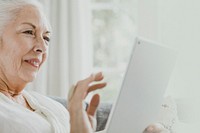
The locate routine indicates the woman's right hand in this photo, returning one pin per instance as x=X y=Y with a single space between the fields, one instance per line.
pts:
x=81 y=120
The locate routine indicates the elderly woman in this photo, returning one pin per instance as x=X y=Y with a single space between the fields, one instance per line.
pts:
x=24 y=41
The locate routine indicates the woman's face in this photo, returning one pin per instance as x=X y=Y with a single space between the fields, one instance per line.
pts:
x=24 y=45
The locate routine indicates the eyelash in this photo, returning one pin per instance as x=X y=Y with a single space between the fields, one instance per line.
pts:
x=30 y=32
x=46 y=38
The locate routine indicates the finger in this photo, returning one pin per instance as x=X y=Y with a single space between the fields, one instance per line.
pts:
x=93 y=105
x=93 y=122
x=94 y=77
x=154 y=128
x=96 y=86
x=84 y=84
x=98 y=76
x=82 y=88
x=149 y=129
x=71 y=92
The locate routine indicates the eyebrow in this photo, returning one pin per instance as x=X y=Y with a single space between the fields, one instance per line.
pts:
x=32 y=25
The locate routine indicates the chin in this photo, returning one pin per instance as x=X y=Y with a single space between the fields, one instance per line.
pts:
x=29 y=78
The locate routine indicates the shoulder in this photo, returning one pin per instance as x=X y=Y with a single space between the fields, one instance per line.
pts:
x=43 y=100
x=55 y=107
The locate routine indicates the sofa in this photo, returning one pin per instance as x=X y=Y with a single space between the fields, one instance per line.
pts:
x=184 y=113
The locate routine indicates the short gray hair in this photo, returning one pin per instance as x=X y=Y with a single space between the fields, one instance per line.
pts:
x=10 y=8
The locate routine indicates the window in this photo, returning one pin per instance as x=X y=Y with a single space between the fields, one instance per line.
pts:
x=113 y=32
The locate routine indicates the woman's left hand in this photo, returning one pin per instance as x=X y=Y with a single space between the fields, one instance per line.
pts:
x=156 y=128
x=83 y=121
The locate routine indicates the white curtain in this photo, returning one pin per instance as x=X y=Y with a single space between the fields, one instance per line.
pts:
x=65 y=65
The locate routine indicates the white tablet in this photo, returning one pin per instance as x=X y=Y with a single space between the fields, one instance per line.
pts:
x=142 y=91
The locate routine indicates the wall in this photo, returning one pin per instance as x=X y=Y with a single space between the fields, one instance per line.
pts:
x=180 y=29
x=176 y=24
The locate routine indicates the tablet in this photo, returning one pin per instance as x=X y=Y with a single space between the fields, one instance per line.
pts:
x=143 y=87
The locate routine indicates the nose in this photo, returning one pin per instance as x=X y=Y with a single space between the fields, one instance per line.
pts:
x=40 y=46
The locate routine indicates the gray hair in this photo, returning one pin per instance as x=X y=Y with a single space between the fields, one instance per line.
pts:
x=10 y=8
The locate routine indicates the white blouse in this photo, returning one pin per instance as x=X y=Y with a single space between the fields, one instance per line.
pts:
x=49 y=116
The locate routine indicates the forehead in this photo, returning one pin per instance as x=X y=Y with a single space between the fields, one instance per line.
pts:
x=31 y=14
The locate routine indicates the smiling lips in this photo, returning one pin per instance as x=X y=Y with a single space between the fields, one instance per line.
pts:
x=34 y=62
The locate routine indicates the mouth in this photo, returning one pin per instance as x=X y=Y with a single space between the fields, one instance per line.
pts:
x=34 y=62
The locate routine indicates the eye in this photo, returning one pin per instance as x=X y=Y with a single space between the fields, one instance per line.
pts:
x=46 y=38
x=30 y=32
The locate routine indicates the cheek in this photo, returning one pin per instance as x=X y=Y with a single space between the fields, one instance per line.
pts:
x=16 y=45
x=0 y=42
x=44 y=58
x=10 y=64
x=12 y=60
x=12 y=55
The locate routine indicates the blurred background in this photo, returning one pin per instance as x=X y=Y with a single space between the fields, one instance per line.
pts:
x=98 y=35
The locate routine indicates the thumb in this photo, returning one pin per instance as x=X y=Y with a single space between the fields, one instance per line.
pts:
x=93 y=105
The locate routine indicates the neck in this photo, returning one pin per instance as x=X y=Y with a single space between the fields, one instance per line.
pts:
x=7 y=90
x=14 y=94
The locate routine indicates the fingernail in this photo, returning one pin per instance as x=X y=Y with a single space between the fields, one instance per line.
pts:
x=99 y=73
x=92 y=75
x=150 y=129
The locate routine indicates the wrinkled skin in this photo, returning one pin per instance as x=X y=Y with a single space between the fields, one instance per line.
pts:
x=156 y=128
x=83 y=121
x=23 y=49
